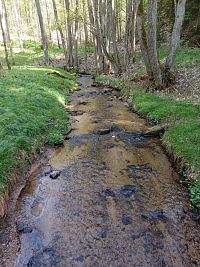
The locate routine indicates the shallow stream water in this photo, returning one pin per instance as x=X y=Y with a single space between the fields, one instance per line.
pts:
x=108 y=197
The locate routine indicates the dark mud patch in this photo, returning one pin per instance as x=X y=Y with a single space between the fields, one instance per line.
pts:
x=94 y=94
x=76 y=112
x=135 y=139
x=77 y=140
x=125 y=190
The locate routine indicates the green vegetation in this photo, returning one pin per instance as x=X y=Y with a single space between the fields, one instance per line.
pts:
x=31 y=114
x=32 y=53
x=182 y=138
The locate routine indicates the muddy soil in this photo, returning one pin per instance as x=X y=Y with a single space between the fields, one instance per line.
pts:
x=108 y=197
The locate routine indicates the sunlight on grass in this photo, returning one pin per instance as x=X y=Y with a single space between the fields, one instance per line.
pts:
x=31 y=114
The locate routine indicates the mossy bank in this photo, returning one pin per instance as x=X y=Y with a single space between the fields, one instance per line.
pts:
x=32 y=114
x=181 y=138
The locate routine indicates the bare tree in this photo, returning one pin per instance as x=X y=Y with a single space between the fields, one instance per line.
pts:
x=3 y=30
x=152 y=41
x=18 y=24
x=133 y=28
x=8 y=32
x=58 y=26
x=85 y=33
x=76 y=35
x=43 y=34
x=175 y=39
x=69 y=33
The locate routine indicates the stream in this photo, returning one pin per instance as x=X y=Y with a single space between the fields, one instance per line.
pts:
x=108 y=197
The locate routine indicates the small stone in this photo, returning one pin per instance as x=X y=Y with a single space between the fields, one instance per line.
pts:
x=23 y=228
x=103 y=131
x=126 y=220
x=128 y=190
x=144 y=217
x=158 y=214
x=80 y=258
x=109 y=192
x=55 y=174
x=102 y=234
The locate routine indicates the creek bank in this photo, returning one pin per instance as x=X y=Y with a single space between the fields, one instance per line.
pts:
x=32 y=115
x=178 y=128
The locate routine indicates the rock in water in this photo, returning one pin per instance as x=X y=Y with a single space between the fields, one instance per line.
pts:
x=55 y=174
x=103 y=131
x=23 y=228
x=126 y=220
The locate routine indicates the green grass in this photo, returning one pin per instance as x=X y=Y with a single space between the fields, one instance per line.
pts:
x=185 y=58
x=31 y=114
x=183 y=135
x=32 y=53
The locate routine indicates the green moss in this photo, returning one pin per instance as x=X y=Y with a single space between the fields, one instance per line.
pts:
x=31 y=114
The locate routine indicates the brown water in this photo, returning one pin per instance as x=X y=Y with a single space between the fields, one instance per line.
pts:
x=116 y=202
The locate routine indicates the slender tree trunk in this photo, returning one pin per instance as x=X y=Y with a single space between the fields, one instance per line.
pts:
x=48 y=20
x=43 y=34
x=8 y=33
x=85 y=34
x=4 y=41
x=152 y=41
x=76 y=36
x=58 y=39
x=113 y=36
x=143 y=38
x=60 y=31
x=18 y=25
x=133 y=28
x=127 y=33
x=98 y=34
x=92 y=30
x=175 y=39
x=69 y=33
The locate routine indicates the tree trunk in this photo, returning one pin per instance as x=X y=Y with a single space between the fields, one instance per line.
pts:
x=18 y=25
x=69 y=33
x=60 y=31
x=127 y=33
x=133 y=28
x=43 y=34
x=143 y=38
x=4 y=40
x=98 y=34
x=76 y=36
x=175 y=40
x=113 y=37
x=85 y=34
x=48 y=21
x=152 y=41
x=92 y=30
x=8 y=32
